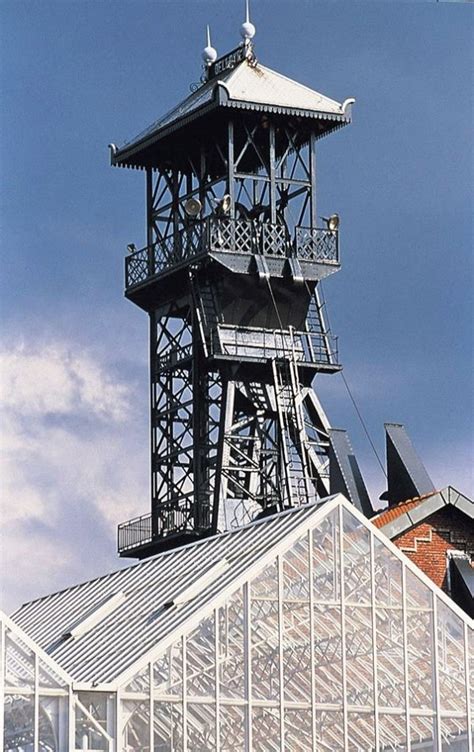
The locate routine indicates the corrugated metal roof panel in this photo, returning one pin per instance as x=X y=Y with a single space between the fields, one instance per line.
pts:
x=140 y=622
x=248 y=83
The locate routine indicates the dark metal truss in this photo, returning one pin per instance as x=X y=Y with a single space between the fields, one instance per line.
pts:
x=225 y=450
x=266 y=169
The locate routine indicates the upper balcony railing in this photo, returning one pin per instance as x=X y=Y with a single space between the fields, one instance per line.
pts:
x=256 y=343
x=231 y=236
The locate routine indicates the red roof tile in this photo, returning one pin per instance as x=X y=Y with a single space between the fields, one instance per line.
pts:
x=397 y=509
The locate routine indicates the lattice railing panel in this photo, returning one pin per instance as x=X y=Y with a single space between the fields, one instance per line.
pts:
x=231 y=235
x=137 y=267
x=274 y=240
x=317 y=244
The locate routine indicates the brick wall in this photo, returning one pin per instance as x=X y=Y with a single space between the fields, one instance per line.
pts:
x=427 y=543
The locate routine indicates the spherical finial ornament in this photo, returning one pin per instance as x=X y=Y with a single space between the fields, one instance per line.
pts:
x=209 y=53
x=247 y=30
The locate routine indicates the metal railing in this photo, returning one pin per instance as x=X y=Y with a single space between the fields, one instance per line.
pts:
x=224 y=235
x=171 y=517
x=254 y=342
x=135 y=532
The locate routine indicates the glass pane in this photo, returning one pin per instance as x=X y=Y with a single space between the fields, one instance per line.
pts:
x=298 y=730
x=450 y=661
x=18 y=723
x=454 y=734
x=360 y=731
x=264 y=635
x=136 y=727
x=19 y=662
x=326 y=564
x=327 y=654
x=88 y=735
x=390 y=659
x=422 y=733
x=356 y=541
x=168 y=726
x=359 y=656
x=419 y=619
x=231 y=647
x=140 y=682
x=418 y=596
x=232 y=728
x=266 y=729
x=201 y=659
x=296 y=653
x=168 y=672
x=48 y=677
x=52 y=730
x=295 y=567
x=388 y=576
x=296 y=624
x=201 y=727
x=329 y=730
x=392 y=732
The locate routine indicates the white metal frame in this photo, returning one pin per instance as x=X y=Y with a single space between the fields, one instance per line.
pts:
x=252 y=567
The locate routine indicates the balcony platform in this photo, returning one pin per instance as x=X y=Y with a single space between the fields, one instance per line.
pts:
x=137 y=540
x=311 y=254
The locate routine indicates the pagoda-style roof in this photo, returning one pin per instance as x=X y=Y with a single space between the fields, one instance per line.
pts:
x=247 y=86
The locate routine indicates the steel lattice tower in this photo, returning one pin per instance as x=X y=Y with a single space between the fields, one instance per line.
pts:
x=229 y=278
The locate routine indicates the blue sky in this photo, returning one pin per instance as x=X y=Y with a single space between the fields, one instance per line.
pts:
x=78 y=75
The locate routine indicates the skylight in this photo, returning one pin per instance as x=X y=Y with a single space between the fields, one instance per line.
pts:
x=95 y=615
x=206 y=579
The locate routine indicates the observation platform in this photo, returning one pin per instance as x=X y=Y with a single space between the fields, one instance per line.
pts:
x=241 y=245
x=255 y=345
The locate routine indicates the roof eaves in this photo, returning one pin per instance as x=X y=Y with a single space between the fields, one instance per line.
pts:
x=394 y=511
x=461 y=502
x=121 y=156
x=424 y=507
x=283 y=110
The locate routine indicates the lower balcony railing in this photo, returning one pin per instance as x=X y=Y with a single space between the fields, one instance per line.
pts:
x=171 y=517
x=134 y=533
x=231 y=236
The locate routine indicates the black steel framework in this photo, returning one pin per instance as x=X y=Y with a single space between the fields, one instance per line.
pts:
x=237 y=327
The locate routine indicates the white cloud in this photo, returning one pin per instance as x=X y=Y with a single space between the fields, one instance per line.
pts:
x=56 y=380
x=73 y=464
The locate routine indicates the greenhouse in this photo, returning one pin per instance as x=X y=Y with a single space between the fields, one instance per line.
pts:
x=305 y=630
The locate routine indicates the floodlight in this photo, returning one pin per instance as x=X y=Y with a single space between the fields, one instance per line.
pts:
x=225 y=204
x=192 y=207
x=332 y=222
x=222 y=206
x=131 y=247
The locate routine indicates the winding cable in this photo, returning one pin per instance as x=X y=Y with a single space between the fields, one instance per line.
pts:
x=352 y=398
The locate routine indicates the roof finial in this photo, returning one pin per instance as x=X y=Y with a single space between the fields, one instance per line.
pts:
x=247 y=30
x=209 y=53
